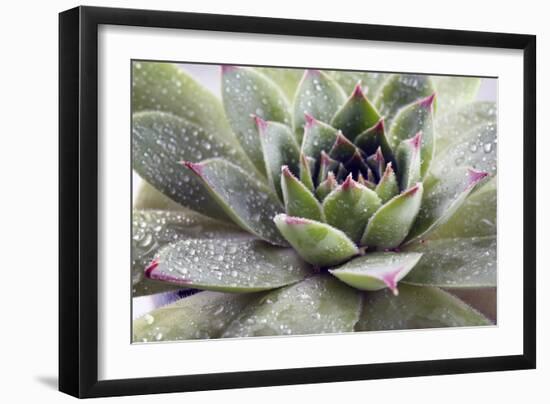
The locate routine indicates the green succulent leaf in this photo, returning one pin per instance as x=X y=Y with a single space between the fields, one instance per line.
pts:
x=400 y=90
x=153 y=229
x=229 y=265
x=160 y=141
x=342 y=149
x=326 y=187
x=317 y=305
x=377 y=270
x=326 y=165
x=299 y=200
x=416 y=307
x=349 y=208
x=356 y=115
x=307 y=164
x=389 y=226
x=148 y=197
x=200 y=316
x=414 y=118
x=442 y=197
x=476 y=148
x=408 y=161
x=286 y=79
x=246 y=93
x=476 y=217
x=250 y=203
x=317 y=95
x=318 y=137
x=370 y=81
x=159 y=86
x=374 y=138
x=483 y=300
x=455 y=263
x=453 y=92
x=318 y=243
x=387 y=187
x=457 y=125
x=280 y=149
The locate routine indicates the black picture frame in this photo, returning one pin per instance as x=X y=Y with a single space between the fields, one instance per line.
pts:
x=78 y=200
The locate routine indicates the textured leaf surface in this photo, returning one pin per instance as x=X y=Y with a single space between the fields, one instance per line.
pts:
x=453 y=92
x=408 y=161
x=279 y=149
x=370 y=81
x=414 y=118
x=356 y=115
x=167 y=88
x=456 y=263
x=250 y=203
x=299 y=200
x=317 y=243
x=318 y=137
x=232 y=265
x=483 y=300
x=416 y=307
x=476 y=148
x=153 y=229
x=387 y=187
x=160 y=141
x=286 y=79
x=378 y=270
x=246 y=93
x=349 y=207
x=317 y=305
x=455 y=125
x=317 y=95
x=442 y=197
x=200 y=316
x=476 y=217
x=389 y=226
x=399 y=90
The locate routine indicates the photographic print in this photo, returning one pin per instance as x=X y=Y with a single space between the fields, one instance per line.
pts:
x=287 y=201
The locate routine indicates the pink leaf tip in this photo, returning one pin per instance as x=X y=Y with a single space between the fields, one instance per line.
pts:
x=379 y=127
x=413 y=190
x=310 y=120
x=390 y=279
x=151 y=267
x=293 y=220
x=358 y=91
x=260 y=123
x=475 y=176
x=428 y=101
x=416 y=140
x=195 y=167
x=349 y=183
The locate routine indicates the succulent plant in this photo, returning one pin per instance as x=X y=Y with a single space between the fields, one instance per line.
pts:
x=309 y=202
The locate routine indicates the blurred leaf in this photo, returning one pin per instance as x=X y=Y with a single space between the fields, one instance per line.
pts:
x=317 y=95
x=455 y=263
x=160 y=142
x=400 y=90
x=317 y=305
x=229 y=264
x=370 y=81
x=416 y=307
x=152 y=229
x=453 y=92
x=248 y=93
x=286 y=79
x=200 y=316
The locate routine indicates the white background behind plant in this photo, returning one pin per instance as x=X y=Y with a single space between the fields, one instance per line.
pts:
x=28 y=345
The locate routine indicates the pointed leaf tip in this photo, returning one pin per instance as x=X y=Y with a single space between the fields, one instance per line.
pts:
x=380 y=126
x=390 y=279
x=348 y=183
x=427 y=102
x=358 y=91
x=416 y=140
x=195 y=167
x=260 y=123
x=151 y=267
x=475 y=176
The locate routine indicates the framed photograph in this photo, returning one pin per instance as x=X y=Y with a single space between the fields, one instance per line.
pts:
x=251 y=201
